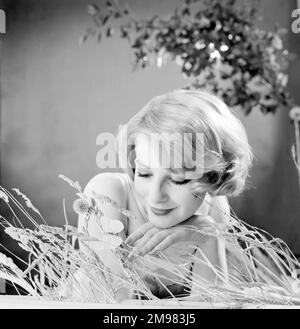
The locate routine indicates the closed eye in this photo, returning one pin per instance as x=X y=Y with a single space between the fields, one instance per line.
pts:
x=143 y=175
x=180 y=182
x=139 y=174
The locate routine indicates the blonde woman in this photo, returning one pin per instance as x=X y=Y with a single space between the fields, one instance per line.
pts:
x=184 y=153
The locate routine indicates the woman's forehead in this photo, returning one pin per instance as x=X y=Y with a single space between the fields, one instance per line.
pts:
x=153 y=153
x=156 y=151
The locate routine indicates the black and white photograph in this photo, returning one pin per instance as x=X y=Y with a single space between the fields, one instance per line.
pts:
x=150 y=156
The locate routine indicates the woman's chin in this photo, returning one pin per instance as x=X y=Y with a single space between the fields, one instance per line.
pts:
x=162 y=221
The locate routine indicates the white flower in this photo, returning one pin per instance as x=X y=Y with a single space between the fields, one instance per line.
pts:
x=224 y=48
x=256 y=85
x=295 y=113
x=277 y=42
x=204 y=21
x=188 y=66
x=4 y=197
x=200 y=45
x=179 y=60
x=282 y=79
x=268 y=102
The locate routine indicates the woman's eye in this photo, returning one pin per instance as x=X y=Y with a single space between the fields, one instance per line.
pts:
x=180 y=182
x=142 y=175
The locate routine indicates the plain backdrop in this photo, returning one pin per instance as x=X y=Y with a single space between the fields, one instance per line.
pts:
x=57 y=97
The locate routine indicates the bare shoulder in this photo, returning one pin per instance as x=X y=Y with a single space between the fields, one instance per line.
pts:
x=219 y=208
x=109 y=185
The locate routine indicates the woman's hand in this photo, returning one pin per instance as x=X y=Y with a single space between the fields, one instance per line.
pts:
x=151 y=239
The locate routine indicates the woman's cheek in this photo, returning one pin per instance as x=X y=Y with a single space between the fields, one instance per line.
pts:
x=140 y=188
x=189 y=203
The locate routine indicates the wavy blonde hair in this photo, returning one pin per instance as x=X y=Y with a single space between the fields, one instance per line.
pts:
x=227 y=154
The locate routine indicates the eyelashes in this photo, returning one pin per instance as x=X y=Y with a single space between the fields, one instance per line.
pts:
x=181 y=183
x=142 y=175
x=173 y=181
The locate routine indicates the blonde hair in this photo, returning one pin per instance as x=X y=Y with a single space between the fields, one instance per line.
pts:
x=227 y=154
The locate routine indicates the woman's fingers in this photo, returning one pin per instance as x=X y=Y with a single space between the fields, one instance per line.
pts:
x=138 y=233
x=159 y=242
x=143 y=240
x=166 y=243
x=140 y=239
x=150 y=239
x=148 y=244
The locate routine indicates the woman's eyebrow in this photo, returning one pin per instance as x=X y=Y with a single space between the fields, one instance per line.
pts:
x=141 y=164
x=177 y=171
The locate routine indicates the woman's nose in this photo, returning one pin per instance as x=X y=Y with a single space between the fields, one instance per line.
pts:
x=157 y=192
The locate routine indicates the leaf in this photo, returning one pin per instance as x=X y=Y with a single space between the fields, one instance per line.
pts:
x=73 y=184
x=109 y=32
x=92 y=9
x=111 y=225
x=250 y=49
x=4 y=197
x=282 y=31
x=105 y=19
x=82 y=39
x=117 y=14
x=8 y=262
x=108 y=241
x=124 y=32
x=27 y=201
x=104 y=198
x=108 y=4
x=186 y=11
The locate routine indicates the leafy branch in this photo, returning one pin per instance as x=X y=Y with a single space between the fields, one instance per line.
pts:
x=217 y=46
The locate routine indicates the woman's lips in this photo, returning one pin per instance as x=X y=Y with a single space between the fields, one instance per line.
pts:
x=160 y=212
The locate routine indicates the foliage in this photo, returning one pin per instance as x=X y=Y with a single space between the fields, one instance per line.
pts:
x=217 y=45
x=261 y=269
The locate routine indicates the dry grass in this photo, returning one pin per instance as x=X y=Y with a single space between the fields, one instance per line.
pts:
x=261 y=269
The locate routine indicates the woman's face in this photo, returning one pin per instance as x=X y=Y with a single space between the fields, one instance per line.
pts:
x=166 y=195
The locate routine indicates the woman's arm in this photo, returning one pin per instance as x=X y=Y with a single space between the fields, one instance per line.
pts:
x=211 y=250
x=149 y=238
x=112 y=188
x=219 y=209
x=214 y=249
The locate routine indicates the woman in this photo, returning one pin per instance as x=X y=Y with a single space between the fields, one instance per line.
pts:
x=185 y=152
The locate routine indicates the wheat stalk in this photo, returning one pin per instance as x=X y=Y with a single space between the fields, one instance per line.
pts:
x=261 y=272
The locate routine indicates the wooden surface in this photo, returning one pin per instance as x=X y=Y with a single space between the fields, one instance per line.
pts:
x=28 y=302
x=2 y=286
x=17 y=302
